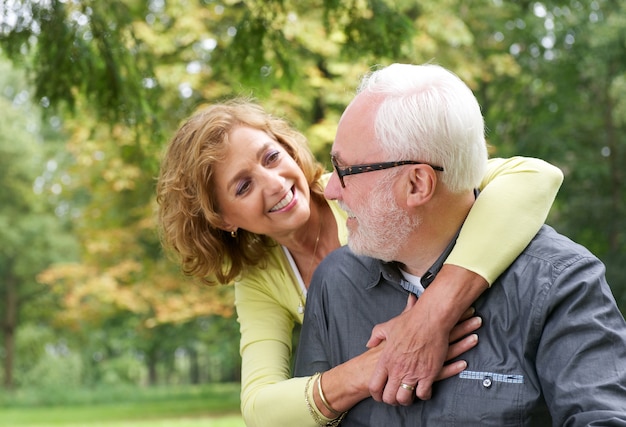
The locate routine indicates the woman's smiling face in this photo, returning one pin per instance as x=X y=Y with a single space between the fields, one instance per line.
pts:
x=259 y=186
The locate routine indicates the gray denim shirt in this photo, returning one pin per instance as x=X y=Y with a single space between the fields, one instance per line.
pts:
x=551 y=351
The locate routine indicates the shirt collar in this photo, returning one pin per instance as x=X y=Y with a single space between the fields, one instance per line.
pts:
x=431 y=273
x=390 y=270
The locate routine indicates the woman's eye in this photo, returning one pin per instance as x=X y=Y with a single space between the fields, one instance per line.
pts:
x=272 y=157
x=242 y=188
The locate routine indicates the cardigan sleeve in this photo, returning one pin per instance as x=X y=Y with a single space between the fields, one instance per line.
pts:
x=269 y=396
x=516 y=196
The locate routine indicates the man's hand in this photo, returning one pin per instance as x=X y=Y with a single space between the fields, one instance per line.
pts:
x=414 y=355
x=417 y=340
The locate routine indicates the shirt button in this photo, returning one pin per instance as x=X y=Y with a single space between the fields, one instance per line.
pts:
x=487 y=382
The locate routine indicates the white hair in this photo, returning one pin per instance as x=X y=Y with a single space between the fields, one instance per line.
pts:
x=429 y=114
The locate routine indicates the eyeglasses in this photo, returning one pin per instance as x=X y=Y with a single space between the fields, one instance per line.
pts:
x=371 y=167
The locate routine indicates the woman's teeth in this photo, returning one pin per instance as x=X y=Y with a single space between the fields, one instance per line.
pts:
x=284 y=202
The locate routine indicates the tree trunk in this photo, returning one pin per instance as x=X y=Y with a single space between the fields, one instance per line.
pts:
x=151 y=361
x=8 y=327
x=194 y=366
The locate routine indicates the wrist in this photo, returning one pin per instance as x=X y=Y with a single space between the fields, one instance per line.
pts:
x=452 y=292
x=348 y=383
x=319 y=408
x=330 y=411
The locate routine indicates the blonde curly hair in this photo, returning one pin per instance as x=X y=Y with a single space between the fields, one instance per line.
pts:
x=188 y=214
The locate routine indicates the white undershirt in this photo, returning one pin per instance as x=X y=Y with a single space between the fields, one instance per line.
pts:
x=416 y=281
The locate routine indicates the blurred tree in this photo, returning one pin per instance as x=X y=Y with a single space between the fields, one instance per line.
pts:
x=32 y=236
x=81 y=49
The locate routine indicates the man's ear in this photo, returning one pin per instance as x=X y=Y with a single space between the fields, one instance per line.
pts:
x=421 y=185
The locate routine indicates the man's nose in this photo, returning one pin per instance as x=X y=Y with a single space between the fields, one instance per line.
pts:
x=333 y=188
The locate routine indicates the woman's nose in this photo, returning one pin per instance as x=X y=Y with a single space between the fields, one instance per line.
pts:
x=274 y=181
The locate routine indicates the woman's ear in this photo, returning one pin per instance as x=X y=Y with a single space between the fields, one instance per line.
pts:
x=421 y=185
x=226 y=226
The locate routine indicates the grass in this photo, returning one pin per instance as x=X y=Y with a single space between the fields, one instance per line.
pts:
x=215 y=405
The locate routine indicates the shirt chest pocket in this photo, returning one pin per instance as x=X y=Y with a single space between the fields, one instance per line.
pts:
x=488 y=399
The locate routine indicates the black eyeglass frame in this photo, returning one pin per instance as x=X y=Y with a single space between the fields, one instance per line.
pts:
x=371 y=167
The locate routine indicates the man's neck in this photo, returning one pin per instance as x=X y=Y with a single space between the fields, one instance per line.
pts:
x=441 y=220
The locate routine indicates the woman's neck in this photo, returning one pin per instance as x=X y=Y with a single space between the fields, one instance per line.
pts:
x=318 y=237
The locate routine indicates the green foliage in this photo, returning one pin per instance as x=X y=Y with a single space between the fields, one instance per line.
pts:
x=81 y=49
x=44 y=361
x=379 y=29
x=54 y=372
x=32 y=236
x=251 y=61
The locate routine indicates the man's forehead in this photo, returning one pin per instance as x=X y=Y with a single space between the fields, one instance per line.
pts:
x=355 y=140
x=362 y=108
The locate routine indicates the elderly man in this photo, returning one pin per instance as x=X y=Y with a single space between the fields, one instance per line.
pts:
x=552 y=349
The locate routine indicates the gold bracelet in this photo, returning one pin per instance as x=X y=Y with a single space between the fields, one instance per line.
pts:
x=318 y=420
x=314 y=412
x=323 y=398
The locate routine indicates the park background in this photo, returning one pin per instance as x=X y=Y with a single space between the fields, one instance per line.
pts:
x=98 y=325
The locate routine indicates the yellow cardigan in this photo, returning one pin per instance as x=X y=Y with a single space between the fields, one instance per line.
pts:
x=501 y=223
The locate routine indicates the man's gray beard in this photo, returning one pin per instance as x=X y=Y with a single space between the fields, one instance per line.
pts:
x=382 y=233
